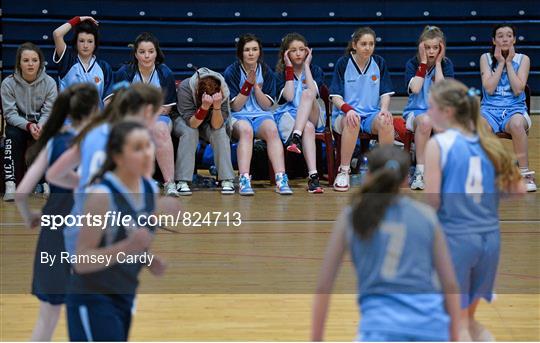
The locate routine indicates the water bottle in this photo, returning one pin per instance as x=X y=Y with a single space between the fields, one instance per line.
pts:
x=363 y=168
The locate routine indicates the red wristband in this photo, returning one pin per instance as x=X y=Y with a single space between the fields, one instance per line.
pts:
x=201 y=113
x=289 y=73
x=422 y=70
x=74 y=21
x=246 y=88
x=346 y=108
x=28 y=126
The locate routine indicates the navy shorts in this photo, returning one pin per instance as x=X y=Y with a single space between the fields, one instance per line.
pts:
x=97 y=318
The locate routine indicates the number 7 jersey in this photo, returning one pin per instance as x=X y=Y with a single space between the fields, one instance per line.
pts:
x=469 y=194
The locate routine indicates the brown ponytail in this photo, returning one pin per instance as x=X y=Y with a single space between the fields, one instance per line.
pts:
x=454 y=94
x=388 y=167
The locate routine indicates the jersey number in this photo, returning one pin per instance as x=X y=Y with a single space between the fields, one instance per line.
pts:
x=394 y=248
x=474 y=176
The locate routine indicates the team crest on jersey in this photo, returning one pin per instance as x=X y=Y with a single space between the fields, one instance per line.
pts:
x=374 y=77
x=97 y=79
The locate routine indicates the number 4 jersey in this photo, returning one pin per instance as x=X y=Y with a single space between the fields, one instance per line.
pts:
x=469 y=195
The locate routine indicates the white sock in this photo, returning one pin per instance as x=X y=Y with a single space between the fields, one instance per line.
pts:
x=523 y=170
x=345 y=168
x=420 y=168
x=311 y=172
x=280 y=175
x=298 y=132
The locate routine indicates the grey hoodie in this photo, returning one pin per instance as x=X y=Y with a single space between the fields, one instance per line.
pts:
x=186 y=94
x=24 y=102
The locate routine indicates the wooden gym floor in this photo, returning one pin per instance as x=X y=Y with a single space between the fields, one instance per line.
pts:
x=255 y=282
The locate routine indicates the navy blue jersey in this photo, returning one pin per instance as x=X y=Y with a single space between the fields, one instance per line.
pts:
x=121 y=278
x=72 y=71
x=49 y=282
x=361 y=89
x=162 y=77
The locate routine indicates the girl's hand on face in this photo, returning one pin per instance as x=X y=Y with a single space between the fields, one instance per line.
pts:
x=422 y=52
x=309 y=56
x=442 y=53
x=207 y=101
x=511 y=54
x=286 y=59
x=216 y=100
x=498 y=55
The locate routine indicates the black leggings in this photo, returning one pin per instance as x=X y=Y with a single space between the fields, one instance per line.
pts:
x=15 y=145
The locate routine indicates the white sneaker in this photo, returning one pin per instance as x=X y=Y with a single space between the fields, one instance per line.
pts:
x=9 y=195
x=170 y=189
x=227 y=187
x=528 y=176
x=342 y=181
x=46 y=190
x=183 y=188
x=418 y=182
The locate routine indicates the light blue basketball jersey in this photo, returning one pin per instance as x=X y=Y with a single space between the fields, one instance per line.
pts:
x=398 y=289
x=469 y=195
x=251 y=107
x=504 y=97
x=361 y=89
x=72 y=71
x=153 y=80
x=292 y=106
x=418 y=103
x=92 y=152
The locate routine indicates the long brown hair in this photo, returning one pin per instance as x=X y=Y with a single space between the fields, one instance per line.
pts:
x=126 y=101
x=285 y=42
x=451 y=93
x=32 y=47
x=356 y=37
x=388 y=167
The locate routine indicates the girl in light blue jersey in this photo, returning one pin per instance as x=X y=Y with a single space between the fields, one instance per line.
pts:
x=138 y=102
x=466 y=166
x=253 y=89
x=79 y=63
x=147 y=66
x=398 y=250
x=504 y=78
x=299 y=115
x=429 y=66
x=360 y=91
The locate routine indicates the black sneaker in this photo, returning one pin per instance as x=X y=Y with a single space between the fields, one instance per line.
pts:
x=295 y=145
x=313 y=184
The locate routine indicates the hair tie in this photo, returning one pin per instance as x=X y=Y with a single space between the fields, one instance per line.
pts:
x=392 y=165
x=472 y=92
x=120 y=85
